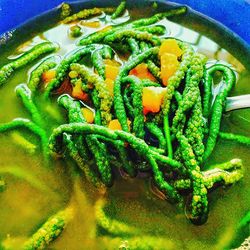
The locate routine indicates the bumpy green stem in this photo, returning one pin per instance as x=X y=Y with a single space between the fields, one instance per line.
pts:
x=138 y=123
x=97 y=57
x=36 y=74
x=195 y=131
x=234 y=137
x=97 y=37
x=132 y=33
x=156 y=131
x=83 y=14
x=199 y=204
x=49 y=231
x=25 y=94
x=157 y=17
x=82 y=163
x=64 y=66
x=118 y=98
x=140 y=146
x=174 y=81
x=156 y=29
x=106 y=100
x=218 y=106
x=29 y=56
x=119 y=10
x=134 y=47
x=25 y=123
x=168 y=136
x=213 y=177
x=75 y=115
x=79 y=151
x=191 y=91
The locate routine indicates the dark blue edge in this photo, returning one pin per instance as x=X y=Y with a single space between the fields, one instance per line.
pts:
x=235 y=44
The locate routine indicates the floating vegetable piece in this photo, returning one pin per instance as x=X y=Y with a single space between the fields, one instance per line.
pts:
x=78 y=93
x=170 y=46
x=115 y=124
x=65 y=10
x=75 y=31
x=169 y=65
x=111 y=71
x=152 y=99
x=47 y=76
x=142 y=72
x=110 y=85
x=93 y=24
x=88 y=115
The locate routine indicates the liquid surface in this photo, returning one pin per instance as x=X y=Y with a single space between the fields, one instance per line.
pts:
x=24 y=207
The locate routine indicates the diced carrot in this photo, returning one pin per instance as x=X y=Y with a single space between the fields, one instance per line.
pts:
x=78 y=93
x=88 y=115
x=47 y=76
x=111 y=71
x=115 y=124
x=152 y=98
x=169 y=65
x=93 y=24
x=170 y=46
x=142 y=72
x=112 y=62
x=110 y=85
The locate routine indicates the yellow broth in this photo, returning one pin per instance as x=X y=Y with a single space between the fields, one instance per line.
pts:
x=24 y=207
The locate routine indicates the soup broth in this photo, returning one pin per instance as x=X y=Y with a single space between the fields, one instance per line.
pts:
x=36 y=191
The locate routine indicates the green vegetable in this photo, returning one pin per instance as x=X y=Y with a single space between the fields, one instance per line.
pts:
x=43 y=48
x=174 y=81
x=106 y=101
x=49 y=231
x=64 y=67
x=119 y=10
x=97 y=37
x=156 y=131
x=132 y=33
x=65 y=10
x=83 y=14
x=32 y=127
x=237 y=138
x=191 y=91
x=25 y=94
x=36 y=74
x=118 y=99
x=218 y=106
x=199 y=204
x=75 y=31
x=97 y=57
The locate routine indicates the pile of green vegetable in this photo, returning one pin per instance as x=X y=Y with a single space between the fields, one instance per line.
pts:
x=173 y=144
